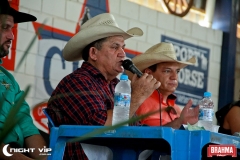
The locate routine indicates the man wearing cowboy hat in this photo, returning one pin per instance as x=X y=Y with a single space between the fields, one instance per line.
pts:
x=24 y=133
x=85 y=97
x=161 y=62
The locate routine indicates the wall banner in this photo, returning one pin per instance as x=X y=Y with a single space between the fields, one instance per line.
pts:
x=192 y=80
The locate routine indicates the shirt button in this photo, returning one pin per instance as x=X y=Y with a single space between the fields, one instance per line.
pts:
x=12 y=102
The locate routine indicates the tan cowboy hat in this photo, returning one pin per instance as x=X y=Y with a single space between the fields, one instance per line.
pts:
x=18 y=17
x=100 y=26
x=161 y=52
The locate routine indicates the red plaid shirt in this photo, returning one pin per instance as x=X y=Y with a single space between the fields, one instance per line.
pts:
x=81 y=98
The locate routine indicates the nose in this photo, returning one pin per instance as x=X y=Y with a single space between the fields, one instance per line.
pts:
x=174 y=75
x=10 y=35
x=122 y=53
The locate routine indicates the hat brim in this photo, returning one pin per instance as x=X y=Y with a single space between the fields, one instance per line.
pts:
x=73 y=49
x=20 y=17
x=142 y=62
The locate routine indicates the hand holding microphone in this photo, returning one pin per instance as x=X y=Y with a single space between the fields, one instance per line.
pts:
x=143 y=86
x=128 y=65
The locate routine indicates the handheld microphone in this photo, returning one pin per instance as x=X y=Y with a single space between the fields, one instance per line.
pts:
x=128 y=65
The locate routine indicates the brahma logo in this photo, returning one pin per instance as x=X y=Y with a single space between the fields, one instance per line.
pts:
x=43 y=151
x=222 y=150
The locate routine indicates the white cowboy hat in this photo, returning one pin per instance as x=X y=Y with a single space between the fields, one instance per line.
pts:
x=100 y=26
x=161 y=52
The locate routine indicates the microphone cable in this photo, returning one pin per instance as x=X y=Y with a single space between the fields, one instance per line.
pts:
x=160 y=105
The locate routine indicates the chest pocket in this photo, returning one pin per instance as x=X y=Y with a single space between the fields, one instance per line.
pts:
x=8 y=100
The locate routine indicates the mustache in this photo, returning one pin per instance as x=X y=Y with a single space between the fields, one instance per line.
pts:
x=8 y=41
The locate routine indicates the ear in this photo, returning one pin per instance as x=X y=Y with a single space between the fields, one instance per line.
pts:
x=148 y=71
x=93 y=53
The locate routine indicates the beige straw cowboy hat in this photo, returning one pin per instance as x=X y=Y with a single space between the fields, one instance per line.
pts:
x=100 y=26
x=161 y=52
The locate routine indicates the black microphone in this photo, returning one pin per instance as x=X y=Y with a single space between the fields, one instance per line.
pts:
x=128 y=65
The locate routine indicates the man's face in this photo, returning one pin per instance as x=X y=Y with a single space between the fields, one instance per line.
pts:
x=109 y=58
x=6 y=34
x=167 y=74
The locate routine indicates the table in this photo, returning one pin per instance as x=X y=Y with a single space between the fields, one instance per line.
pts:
x=129 y=141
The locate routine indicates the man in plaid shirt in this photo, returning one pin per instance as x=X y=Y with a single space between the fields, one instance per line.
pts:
x=85 y=97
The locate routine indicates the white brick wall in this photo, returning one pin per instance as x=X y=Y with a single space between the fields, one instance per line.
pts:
x=31 y=4
x=182 y=27
x=214 y=36
x=114 y=6
x=64 y=15
x=31 y=64
x=129 y=10
x=166 y=22
x=64 y=25
x=22 y=67
x=73 y=10
x=54 y=7
x=26 y=80
x=143 y=46
x=24 y=38
x=131 y=44
x=153 y=34
x=217 y=53
x=147 y=15
x=199 y=32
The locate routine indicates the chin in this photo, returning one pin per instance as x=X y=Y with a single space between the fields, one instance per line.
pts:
x=3 y=53
x=120 y=70
x=172 y=89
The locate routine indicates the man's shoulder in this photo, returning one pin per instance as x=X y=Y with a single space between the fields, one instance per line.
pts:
x=6 y=72
x=10 y=76
x=80 y=75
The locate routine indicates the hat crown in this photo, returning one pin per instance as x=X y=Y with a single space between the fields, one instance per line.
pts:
x=18 y=17
x=159 y=53
x=163 y=48
x=102 y=19
x=98 y=27
x=4 y=7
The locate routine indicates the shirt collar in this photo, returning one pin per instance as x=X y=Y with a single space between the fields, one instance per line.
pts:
x=171 y=100
x=95 y=72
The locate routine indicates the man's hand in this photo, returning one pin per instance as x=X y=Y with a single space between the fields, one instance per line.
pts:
x=189 y=114
x=142 y=88
x=35 y=141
